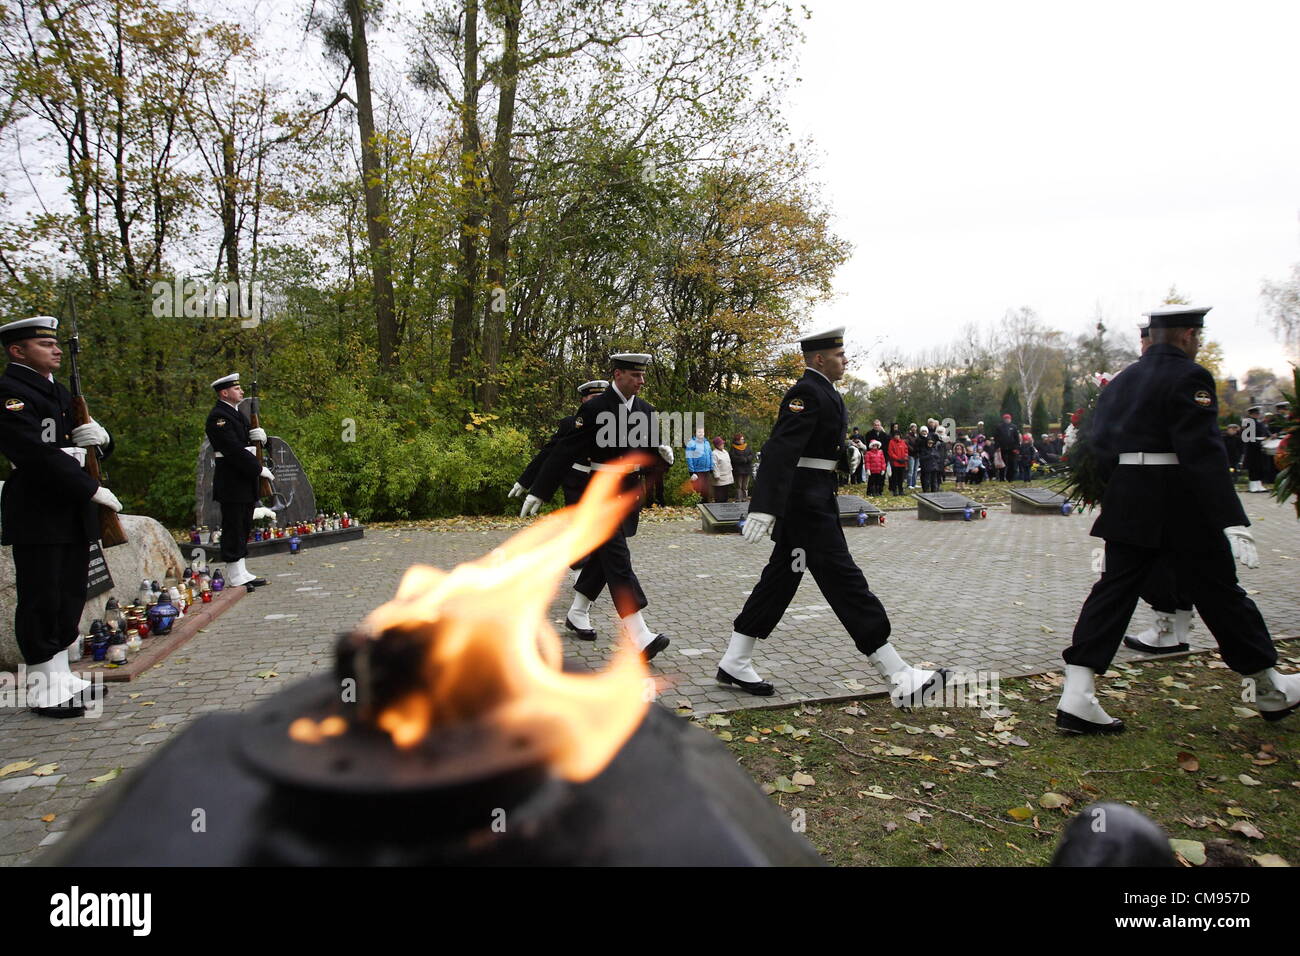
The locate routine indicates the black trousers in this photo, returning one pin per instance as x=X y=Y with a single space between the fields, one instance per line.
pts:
x=236 y=523
x=1161 y=589
x=1209 y=576
x=810 y=537
x=50 y=581
x=611 y=564
x=897 y=475
x=930 y=480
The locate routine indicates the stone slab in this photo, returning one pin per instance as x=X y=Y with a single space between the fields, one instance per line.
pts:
x=1036 y=501
x=316 y=539
x=947 y=506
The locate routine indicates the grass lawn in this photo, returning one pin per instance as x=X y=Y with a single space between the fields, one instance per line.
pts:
x=987 y=493
x=967 y=786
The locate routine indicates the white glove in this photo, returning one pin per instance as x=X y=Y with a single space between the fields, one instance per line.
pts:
x=757 y=526
x=267 y=474
x=1243 y=547
x=855 y=459
x=103 y=496
x=666 y=453
x=516 y=491
x=257 y=434
x=694 y=476
x=532 y=505
x=91 y=433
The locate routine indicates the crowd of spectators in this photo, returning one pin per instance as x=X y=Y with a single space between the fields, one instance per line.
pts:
x=923 y=457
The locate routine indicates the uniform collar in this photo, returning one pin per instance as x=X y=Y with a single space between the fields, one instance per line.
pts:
x=809 y=368
x=44 y=380
x=48 y=376
x=626 y=401
x=222 y=401
x=1164 y=348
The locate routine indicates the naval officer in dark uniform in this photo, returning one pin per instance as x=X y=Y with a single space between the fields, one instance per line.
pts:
x=1254 y=432
x=1168 y=497
x=49 y=511
x=1172 y=606
x=610 y=425
x=575 y=482
x=796 y=494
x=237 y=472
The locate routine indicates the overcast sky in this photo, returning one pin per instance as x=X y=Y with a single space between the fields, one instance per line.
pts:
x=984 y=156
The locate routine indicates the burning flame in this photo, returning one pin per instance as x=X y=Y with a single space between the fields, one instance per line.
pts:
x=494 y=657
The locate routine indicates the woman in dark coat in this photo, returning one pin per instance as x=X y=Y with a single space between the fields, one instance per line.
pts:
x=742 y=464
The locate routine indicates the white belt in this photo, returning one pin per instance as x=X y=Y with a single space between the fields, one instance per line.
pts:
x=251 y=449
x=582 y=468
x=74 y=452
x=821 y=464
x=1148 y=458
x=621 y=469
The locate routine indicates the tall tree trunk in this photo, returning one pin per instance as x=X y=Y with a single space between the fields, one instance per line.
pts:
x=462 y=313
x=503 y=187
x=227 y=188
x=376 y=209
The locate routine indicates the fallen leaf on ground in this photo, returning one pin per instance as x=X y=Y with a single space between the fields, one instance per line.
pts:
x=1193 y=851
x=45 y=770
x=104 y=778
x=802 y=779
x=786 y=785
x=1020 y=813
x=1054 y=801
x=1270 y=859
x=49 y=817
x=1247 y=829
x=1248 y=780
x=14 y=767
x=1188 y=762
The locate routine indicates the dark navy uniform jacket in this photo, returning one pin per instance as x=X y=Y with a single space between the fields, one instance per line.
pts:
x=47 y=498
x=812 y=423
x=1164 y=402
x=235 y=473
x=575 y=480
x=601 y=433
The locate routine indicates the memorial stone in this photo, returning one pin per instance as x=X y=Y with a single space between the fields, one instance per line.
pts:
x=294 y=500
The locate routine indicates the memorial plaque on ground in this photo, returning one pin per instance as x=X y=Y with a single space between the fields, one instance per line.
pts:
x=850 y=505
x=98 y=580
x=946 y=506
x=294 y=500
x=722 y=516
x=726 y=515
x=1036 y=501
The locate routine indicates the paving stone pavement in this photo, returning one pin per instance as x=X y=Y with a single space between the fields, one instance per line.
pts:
x=999 y=595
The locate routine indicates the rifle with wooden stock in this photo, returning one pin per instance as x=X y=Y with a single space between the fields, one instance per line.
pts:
x=264 y=489
x=110 y=527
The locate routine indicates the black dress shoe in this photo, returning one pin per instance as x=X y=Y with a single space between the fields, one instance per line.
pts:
x=259 y=582
x=1137 y=645
x=759 y=688
x=1272 y=715
x=1070 y=724
x=654 y=647
x=581 y=633
x=61 y=712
